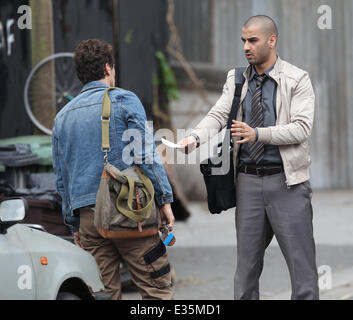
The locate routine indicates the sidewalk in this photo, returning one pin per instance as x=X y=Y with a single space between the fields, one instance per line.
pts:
x=204 y=256
x=333 y=232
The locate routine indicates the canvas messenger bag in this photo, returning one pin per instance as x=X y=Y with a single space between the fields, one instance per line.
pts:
x=125 y=204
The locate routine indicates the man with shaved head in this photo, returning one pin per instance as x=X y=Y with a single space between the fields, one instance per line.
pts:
x=271 y=161
x=267 y=24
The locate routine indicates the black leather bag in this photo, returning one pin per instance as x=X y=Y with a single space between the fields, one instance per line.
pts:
x=218 y=171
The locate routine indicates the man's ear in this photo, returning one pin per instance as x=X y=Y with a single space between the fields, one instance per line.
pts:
x=272 y=40
x=107 y=70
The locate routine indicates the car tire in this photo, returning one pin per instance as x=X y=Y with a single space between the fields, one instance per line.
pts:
x=67 y=296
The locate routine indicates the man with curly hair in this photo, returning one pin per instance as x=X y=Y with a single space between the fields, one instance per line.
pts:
x=78 y=164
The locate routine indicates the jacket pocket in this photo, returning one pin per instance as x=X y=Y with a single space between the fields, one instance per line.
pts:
x=297 y=155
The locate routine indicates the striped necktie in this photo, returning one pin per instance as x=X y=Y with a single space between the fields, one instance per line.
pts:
x=257 y=148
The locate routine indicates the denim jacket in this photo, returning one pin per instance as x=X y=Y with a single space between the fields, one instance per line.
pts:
x=77 y=156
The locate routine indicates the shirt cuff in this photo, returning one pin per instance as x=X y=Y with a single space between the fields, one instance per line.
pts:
x=163 y=199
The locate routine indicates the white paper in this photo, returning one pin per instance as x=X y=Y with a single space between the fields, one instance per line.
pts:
x=171 y=144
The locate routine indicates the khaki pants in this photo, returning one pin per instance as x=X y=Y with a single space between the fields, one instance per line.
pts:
x=146 y=259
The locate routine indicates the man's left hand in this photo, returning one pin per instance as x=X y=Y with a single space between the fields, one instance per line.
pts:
x=241 y=129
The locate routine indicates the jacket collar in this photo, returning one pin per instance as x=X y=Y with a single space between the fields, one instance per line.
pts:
x=253 y=72
x=274 y=73
x=94 y=85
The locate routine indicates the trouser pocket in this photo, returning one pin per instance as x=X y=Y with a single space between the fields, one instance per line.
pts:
x=306 y=187
x=158 y=266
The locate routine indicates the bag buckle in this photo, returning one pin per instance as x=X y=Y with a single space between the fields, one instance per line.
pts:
x=105 y=118
x=106 y=154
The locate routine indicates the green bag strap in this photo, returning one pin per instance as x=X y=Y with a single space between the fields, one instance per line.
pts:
x=123 y=179
x=147 y=189
x=138 y=215
x=135 y=215
x=105 y=118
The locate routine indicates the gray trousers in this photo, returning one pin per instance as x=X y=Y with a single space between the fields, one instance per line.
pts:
x=266 y=207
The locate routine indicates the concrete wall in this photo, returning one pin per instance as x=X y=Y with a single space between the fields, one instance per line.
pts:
x=326 y=54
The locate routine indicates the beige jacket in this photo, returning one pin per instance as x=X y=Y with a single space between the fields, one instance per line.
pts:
x=295 y=104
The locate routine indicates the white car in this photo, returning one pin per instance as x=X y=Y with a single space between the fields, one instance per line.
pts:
x=36 y=265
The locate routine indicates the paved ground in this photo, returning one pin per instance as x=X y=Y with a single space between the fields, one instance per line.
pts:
x=204 y=256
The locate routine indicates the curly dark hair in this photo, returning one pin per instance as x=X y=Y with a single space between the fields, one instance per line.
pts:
x=91 y=56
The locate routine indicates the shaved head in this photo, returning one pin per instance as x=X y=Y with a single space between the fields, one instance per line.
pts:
x=267 y=25
x=259 y=35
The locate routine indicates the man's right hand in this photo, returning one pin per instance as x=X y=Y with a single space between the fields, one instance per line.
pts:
x=189 y=144
x=167 y=215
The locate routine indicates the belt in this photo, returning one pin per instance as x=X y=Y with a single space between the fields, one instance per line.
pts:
x=261 y=170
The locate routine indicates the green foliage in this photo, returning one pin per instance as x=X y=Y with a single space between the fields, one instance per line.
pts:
x=166 y=78
x=128 y=36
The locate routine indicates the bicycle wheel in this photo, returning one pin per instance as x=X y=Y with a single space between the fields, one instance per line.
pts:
x=49 y=87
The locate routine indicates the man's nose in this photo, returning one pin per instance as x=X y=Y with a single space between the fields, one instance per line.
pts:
x=246 y=46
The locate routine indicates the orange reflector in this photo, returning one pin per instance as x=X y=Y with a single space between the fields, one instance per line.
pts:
x=44 y=261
